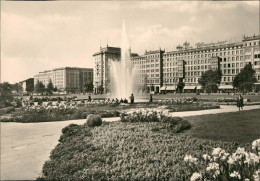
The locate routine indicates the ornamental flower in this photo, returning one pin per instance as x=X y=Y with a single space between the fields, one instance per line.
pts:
x=212 y=166
x=256 y=144
x=257 y=175
x=206 y=157
x=216 y=151
x=224 y=156
x=235 y=175
x=231 y=160
x=252 y=159
x=190 y=159
x=196 y=176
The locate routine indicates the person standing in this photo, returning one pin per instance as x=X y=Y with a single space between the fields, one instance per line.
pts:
x=240 y=102
x=151 y=98
x=132 y=98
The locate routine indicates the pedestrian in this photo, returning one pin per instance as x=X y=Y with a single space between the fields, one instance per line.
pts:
x=240 y=102
x=89 y=98
x=132 y=98
x=151 y=98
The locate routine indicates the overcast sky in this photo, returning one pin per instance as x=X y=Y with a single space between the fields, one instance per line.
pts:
x=37 y=36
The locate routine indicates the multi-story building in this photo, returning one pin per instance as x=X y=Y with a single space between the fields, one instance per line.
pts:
x=66 y=78
x=149 y=68
x=27 y=85
x=102 y=67
x=161 y=71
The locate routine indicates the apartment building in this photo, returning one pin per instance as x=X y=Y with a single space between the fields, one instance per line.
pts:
x=161 y=71
x=66 y=78
x=102 y=66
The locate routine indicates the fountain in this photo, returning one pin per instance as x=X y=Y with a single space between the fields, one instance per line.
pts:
x=122 y=73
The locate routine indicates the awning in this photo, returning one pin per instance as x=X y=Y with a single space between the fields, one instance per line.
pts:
x=167 y=88
x=225 y=87
x=199 y=87
x=170 y=88
x=186 y=87
x=162 y=88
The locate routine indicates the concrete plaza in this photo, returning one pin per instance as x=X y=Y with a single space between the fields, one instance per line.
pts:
x=26 y=146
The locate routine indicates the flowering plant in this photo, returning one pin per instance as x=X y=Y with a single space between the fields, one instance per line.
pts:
x=182 y=100
x=240 y=165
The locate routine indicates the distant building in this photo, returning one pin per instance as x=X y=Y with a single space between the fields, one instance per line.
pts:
x=66 y=78
x=161 y=71
x=150 y=70
x=101 y=69
x=188 y=63
x=27 y=85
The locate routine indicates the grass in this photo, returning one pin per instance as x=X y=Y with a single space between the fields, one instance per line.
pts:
x=243 y=126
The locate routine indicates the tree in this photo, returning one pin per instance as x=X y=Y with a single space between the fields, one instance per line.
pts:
x=18 y=88
x=180 y=86
x=6 y=95
x=88 y=87
x=55 y=89
x=245 y=80
x=50 y=87
x=39 y=87
x=29 y=85
x=210 y=80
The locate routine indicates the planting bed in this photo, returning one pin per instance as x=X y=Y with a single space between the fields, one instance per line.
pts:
x=126 y=151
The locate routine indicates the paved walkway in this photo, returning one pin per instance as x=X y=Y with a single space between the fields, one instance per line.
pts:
x=26 y=146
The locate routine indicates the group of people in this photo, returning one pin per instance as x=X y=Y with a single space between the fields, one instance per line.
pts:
x=240 y=100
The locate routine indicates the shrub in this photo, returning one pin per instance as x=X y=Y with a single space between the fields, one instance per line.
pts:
x=7 y=110
x=94 y=120
x=6 y=119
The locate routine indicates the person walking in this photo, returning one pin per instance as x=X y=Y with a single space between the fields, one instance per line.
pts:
x=240 y=102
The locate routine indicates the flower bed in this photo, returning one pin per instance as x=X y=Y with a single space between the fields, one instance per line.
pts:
x=222 y=165
x=192 y=107
x=178 y=101
x=54 y=112
x=126 y=151
x=174 y=124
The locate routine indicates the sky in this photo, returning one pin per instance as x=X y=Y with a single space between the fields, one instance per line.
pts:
x=42 y=35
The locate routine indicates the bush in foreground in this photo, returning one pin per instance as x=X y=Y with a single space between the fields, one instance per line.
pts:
x=125 y=151
x=94 y=120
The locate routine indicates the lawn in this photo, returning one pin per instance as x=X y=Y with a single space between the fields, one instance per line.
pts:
x=243 y=126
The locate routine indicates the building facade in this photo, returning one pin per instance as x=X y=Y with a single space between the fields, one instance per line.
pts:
x=27 y=85
x=161 y=71
x=102 y=67
x=66 y=78
x=150 y=70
